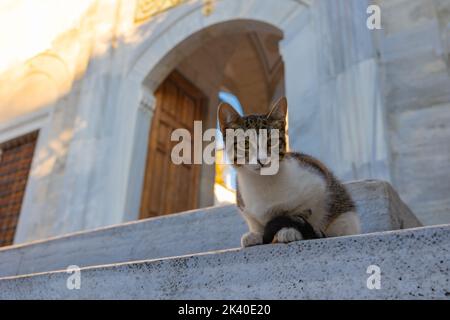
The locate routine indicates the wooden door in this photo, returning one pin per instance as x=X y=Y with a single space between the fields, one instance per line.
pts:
x=170 y=188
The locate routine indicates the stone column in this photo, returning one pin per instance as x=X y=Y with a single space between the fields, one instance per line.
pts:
x=333 y=85
x=137 y=167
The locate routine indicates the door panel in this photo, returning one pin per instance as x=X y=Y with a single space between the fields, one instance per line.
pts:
x=170 y=188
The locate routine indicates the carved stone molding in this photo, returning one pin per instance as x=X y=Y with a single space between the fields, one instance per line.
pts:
x=145 y=9
x=148 y=8
x=148 y=103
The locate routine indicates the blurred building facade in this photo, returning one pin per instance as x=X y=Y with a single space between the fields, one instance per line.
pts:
x=86 y=118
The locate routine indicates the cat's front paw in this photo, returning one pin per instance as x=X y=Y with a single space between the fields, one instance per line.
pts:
x=251 y=239
x=288 y=235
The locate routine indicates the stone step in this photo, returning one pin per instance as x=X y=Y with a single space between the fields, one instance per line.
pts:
x=190 y=232
x=411 y=264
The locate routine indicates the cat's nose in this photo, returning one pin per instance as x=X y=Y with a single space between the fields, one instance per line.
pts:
x=263 y=162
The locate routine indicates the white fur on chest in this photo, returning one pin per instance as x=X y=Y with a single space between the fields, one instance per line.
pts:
x=294 y=187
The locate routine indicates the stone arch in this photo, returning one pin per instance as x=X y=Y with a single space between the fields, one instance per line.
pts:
x=162 y=46
x=185 y=27
x=195 y=41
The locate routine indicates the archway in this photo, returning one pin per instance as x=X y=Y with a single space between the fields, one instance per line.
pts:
x=240 y=57
x=153 y=57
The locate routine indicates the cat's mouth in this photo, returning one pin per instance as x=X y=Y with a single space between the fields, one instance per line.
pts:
x=257 y=167
x=264 y=163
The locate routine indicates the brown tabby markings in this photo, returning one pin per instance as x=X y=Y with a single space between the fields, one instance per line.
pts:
x=259 y=122
x=339 y=201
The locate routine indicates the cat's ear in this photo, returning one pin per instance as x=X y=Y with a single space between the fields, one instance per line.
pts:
x=226 y=115
x=279 y=110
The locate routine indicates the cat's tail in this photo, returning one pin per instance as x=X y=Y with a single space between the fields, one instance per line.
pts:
x=289 y=221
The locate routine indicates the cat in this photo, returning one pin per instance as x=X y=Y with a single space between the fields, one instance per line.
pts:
x=302 y=187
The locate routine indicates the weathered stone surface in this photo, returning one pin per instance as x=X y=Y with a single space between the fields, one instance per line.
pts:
x=190 y=232
x=414 y=264
x=422 y=166
x=379 y=207
x=335 y=108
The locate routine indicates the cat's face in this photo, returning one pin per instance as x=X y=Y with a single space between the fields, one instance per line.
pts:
x=266 y=131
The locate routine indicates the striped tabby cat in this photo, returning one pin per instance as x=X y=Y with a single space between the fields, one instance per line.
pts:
x=303 y=190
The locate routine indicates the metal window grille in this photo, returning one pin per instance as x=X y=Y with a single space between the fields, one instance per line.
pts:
x=15 y=162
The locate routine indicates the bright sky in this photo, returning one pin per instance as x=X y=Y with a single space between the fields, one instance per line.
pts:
x=28 y=27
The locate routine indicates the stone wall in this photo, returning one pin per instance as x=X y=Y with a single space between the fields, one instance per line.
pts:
x=336 y=111
x=414 y=55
